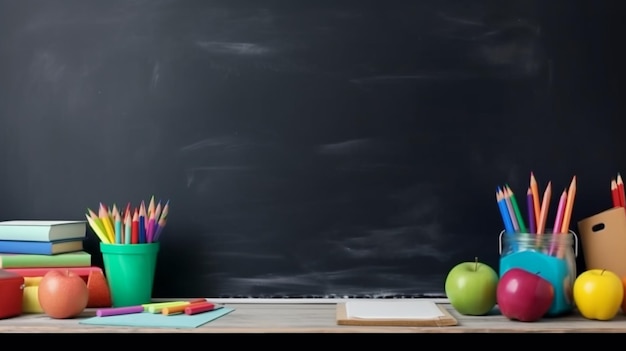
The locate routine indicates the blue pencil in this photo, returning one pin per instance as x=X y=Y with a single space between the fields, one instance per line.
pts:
x=504 y=212
x=142 y=230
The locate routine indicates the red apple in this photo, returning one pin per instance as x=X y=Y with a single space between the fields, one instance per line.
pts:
x=524 y=296
x=62 y=294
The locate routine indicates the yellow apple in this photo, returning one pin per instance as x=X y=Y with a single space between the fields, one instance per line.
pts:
x=598 y=294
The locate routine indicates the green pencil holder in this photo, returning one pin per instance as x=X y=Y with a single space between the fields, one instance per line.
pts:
x=129 y=269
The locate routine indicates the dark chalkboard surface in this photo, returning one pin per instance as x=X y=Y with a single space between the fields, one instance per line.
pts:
x=308 y=148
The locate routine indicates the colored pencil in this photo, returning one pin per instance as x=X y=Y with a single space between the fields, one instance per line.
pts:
x=151 y=206
x=504 y=212
x=159 y=229
x=150 y=230
x=531 y=211
x=134 y=232
x=620 y=190
x=543 y=213
x=157 y=216
x=509 y=207
x=558 y=219
x=518 y=214
x=96 y=220
x=106 y=222
x=567 y=215
x=142 y=223
x=165 y=211
x=127 y=210
x=96 y=229
x=560 y=211
x=614 y=194
x=128 y=226
x=571 y=193
x=534 y=187
x=117 y=220
x=113 y=211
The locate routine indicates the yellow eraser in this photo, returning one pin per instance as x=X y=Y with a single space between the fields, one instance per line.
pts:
x=30 y=301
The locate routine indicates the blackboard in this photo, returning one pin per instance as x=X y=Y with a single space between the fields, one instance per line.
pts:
x=308 y=148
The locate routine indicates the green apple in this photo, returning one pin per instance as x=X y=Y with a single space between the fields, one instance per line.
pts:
x=471 y=288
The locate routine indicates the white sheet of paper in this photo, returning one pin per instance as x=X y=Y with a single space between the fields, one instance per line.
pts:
x=393 y=309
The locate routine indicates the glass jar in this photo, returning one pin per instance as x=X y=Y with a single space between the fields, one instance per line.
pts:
x=552 y=256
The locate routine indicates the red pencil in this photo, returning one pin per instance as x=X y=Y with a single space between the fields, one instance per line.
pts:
x=134 y=231
x=620 y=190
x=614 y=194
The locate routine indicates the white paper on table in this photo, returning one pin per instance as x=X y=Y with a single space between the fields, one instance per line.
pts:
x=387 y=309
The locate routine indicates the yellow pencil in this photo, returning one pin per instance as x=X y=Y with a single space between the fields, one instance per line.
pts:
x=106 y=223
x=151 y=206
x=96 y=220
x=96 y=229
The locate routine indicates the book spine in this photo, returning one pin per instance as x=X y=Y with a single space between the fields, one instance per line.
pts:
x=34 y=248
x=19 y=261
x=30 y=233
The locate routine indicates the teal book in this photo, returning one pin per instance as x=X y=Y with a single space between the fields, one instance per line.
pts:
x=69 y=259
x=40 y=247
x=42 y=230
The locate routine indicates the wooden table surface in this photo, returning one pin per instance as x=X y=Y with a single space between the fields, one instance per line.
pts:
x=314 y=318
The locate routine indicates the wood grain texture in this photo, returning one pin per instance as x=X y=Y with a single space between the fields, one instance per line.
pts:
x=317 y=318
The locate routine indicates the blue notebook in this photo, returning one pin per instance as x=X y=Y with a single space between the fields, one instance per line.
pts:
x=41 y=247
x=157 y=320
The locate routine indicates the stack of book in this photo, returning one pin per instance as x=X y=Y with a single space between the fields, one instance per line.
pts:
x=42 y=244
x=31 y=248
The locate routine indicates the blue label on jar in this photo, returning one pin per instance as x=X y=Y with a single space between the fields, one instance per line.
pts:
x=551 y=268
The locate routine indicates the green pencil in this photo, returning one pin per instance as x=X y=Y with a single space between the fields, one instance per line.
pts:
x=518 y=214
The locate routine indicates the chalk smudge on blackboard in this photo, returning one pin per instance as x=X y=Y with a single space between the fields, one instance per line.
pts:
x=47 y=66
x=224 y=142
x=231 y=48
x=156 y=69
x=344 y=147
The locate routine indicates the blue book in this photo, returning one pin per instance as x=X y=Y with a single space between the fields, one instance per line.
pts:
x=41 y=247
